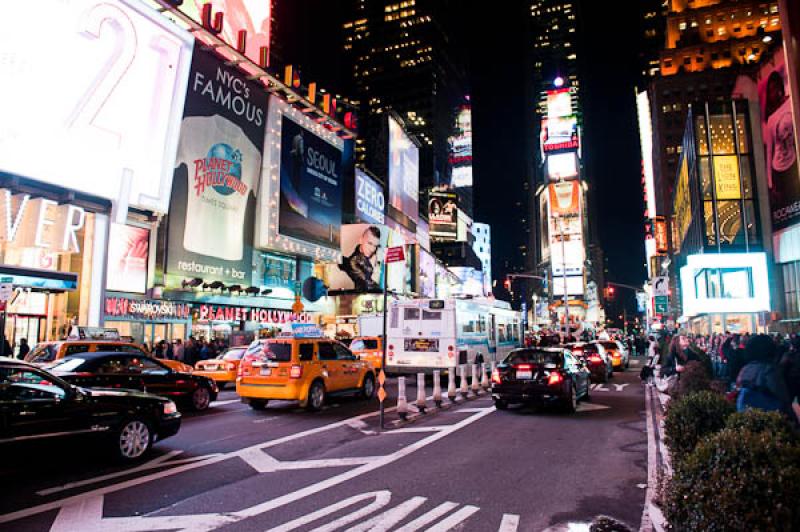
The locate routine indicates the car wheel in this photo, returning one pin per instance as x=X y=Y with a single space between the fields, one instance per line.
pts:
x=258 y=404
x=201 y=398
x=368 y=388
x=571 y=402
x=316 y=397
x=586 y=396
x=500 y=404
x=133 y=439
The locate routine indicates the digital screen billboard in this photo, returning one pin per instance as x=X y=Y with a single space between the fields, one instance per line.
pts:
x=567 y=251
x=565 y=198
x=443 y=215
x=562 y=166
x=110 y=125
x=461 y=149
x=253 y=16
x=559 y=133
x=128 y=250
x=403 y=177
x=777 y=129
x=559 y=103
x=211 y=215
x=311 y=186
x=427 y=274
x=361 y=266
x=370 y=199
x=574 y=286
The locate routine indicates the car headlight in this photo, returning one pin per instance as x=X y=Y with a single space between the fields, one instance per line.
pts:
x=170 y=408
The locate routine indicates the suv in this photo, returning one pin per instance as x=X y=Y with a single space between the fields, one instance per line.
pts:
x=301 y=369
x=46 y=352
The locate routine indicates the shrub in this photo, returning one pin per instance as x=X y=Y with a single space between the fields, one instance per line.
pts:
x=694 y=378
x=759 y=421
x=736 y=480
x=691 y=417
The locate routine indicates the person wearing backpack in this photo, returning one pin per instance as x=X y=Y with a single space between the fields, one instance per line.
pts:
x=760 y=382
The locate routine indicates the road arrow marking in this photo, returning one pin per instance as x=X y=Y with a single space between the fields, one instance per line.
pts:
x=589 y=407
x=510 y=523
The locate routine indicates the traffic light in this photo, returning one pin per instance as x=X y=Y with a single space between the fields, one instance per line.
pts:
x=609 y=292
x=507 y=284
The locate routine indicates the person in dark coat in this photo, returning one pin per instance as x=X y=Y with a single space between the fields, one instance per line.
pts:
x=24 y=348
x=760 y=382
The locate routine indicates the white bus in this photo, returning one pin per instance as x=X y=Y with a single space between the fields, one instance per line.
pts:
x=428 y=334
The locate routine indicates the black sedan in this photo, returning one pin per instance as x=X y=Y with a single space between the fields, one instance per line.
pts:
x=35 y=405
x=597 y=360
x=540 y=376
x=132 y=371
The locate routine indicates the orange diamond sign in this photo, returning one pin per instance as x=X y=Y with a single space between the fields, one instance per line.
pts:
x=382 y=378
x=381 y=394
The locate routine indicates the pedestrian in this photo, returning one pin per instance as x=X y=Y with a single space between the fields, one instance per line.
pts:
x=760 y=382
x=205 y=352
x=7 y=351
x=790 y=367
x=177 y=350
x=24 y=348
x=168 y=352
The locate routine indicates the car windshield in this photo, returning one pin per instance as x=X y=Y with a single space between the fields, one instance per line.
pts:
x=532 y=356
x=66 y=364
x=41 y=353
x=233 y=354
x=610 y=345
x=279 y=352
x=362 y=345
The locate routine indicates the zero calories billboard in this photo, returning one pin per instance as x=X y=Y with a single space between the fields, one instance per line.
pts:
x=211 y=216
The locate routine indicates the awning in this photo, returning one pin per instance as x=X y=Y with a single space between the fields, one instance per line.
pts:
x=46 y=280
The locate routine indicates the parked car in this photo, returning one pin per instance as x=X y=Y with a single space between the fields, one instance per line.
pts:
x=301 y=369
x=540 y=376
x=597 y=360
x=618 y=352
x=223 y=368
x=134 y=371
x=37 y=405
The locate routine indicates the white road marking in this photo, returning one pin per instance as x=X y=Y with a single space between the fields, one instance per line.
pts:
x=427 y=518
x=260 y=461
x=226 y=402
x=620 y=387
x=265 y=419
x=328 y=462
x=454 y=519
x=473 y=409
x=381 y=499
x=600 y=388
x=589 y=407
x=414 y=429
x=383 y=522
x=509 y=523
x=210 y=521
x=74 y=517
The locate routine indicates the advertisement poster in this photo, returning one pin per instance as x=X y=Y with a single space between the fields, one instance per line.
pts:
x=370 y=199
x=361 y=267
x=559 y=103
x=777 y=130
x=443 y=214
x=427 y=274
x=128 y=248
x=565 y=198
x=311 y=186
x=211 y=216
x=461 y=149
x=562 y=166
x=560 y=133
x=403 y=177
x=111 y=124
x=726 y=177
x=253 y=16
x=682 y=206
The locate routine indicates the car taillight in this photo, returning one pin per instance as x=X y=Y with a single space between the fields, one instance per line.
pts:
x=596 y=359
x=231 y=366
x=496 y=376
x=450 y=348
x=524 y=367
x=555 y=378
x=296 y=372
x=391 y=347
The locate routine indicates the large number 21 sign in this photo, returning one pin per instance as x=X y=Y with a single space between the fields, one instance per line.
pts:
x=93 y=96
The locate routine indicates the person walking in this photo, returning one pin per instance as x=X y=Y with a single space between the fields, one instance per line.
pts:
x=177 y=350
x=760 y=382
x=24 y=348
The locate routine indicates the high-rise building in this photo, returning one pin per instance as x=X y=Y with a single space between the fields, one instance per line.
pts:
x=402 y=59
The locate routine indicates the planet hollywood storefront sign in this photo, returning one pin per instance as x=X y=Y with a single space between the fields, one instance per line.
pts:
x=258 y=315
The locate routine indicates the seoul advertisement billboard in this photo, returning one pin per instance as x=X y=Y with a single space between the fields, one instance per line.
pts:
x=403 y=177
x=212 y=209
x=106 y=82
x=311 y=186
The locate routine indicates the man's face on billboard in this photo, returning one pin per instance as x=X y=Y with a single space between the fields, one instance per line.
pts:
x=369 y=243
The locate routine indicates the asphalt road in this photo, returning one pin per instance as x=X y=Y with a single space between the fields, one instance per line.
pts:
x=468 y=467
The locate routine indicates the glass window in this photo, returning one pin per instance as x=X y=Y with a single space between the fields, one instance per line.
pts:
x=394 y=316
x=752 y=223
x=18 y=384
x=145 y=366
x=737 y=283
x=278 y=351
x=708 y=215
x=364 y=344
x=113 y=364
x=431 y=315
x=741 y=130
x=119 y=348
x=729 y=214
x=74 y=349
x=410 y=313
x=41 y=353
x=501 y=332
x=65 y=364
x=306 y=352
x=746 y=176
x=342 y=353
x=701 y=135
x=532 y=356
x=233 y=354
x=705 y=177
x=326 y=351
x=721 y=128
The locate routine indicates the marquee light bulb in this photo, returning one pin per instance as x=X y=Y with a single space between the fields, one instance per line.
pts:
x=559 y=81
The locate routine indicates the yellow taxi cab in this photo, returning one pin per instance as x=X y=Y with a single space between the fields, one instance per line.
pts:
x=223 y=368
x=369 y=348
x=301 y=368
x=92 y=340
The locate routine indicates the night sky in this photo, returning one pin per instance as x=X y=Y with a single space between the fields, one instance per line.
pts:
x=495 y=43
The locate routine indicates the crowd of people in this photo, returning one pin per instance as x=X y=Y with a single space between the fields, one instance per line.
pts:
x=190 y=351
x=760 y=371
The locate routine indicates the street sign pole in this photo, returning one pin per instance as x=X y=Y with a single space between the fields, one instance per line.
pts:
x=382 y=377
x=6 y=290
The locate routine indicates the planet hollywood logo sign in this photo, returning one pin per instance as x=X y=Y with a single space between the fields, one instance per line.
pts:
x=258 y=315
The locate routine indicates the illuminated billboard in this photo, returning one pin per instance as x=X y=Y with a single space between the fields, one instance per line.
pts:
x=443 y=215
x=567 y=251
x=559 y=103
x=564 y=198
x=370 y=199
x=574 y=286
x=109 y=126
x=253 y=16
x=300 y=196
x=646 y=143
x=682 y=206
x=461 y=149
x=128 y=250
x=361 y=266
x=562 y=166
x=725 y=282
x=559 y=133
x=403 y=177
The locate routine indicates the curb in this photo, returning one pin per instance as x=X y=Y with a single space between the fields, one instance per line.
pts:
x=659 y=466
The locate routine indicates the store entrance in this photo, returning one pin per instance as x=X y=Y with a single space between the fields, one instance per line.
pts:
x=28 y=327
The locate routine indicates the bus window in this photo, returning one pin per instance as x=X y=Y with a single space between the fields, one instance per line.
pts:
x=429 y=315
x=482 y=323
x=501 y=332
x=395 y=314
x=410 y=313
